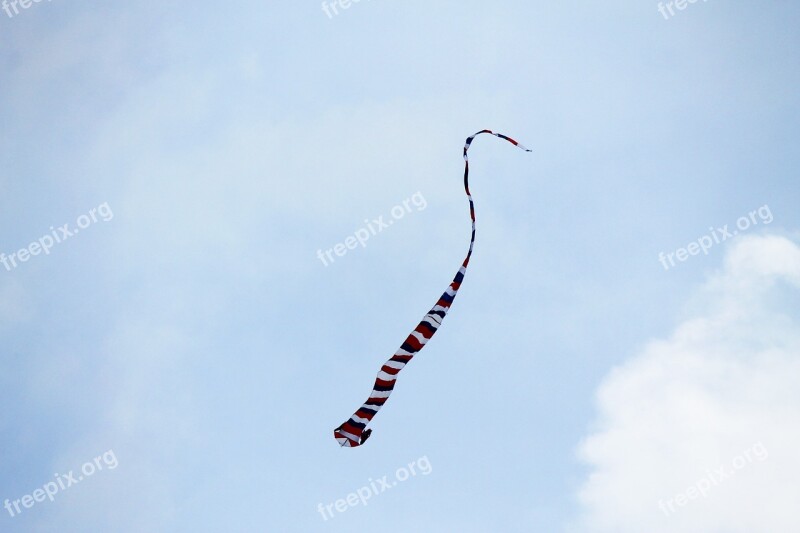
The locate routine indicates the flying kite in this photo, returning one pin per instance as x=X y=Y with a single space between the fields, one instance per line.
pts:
x=354 y=431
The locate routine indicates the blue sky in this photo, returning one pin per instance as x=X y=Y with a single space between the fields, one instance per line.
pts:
x=575 y=383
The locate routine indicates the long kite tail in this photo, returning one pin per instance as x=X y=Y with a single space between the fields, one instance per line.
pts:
x=353 y=432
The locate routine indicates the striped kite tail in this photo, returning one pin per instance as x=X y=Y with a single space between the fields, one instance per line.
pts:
x=354 y=431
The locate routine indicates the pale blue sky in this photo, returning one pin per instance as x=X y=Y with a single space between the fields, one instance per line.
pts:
x=198 y=336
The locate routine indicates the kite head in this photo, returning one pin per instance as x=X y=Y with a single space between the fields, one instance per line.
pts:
x=351 y=440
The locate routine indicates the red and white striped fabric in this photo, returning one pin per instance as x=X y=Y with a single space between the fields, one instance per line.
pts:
x=354 y=432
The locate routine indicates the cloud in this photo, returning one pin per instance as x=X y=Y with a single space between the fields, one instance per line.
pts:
x=720 y=393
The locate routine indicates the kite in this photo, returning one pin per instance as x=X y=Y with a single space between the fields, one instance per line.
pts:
x=354 y=431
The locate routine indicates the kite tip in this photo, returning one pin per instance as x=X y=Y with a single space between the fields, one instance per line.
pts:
x=349 y=440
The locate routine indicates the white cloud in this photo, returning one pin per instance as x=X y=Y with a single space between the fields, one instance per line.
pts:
x=723 y=385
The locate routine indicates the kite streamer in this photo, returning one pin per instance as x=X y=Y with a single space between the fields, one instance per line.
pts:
x=354 y=431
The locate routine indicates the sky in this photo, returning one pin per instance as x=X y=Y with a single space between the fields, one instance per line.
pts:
x=623 y=355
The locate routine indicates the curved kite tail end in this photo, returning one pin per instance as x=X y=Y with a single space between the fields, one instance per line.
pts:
x=344 y=442
x=349 y=440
